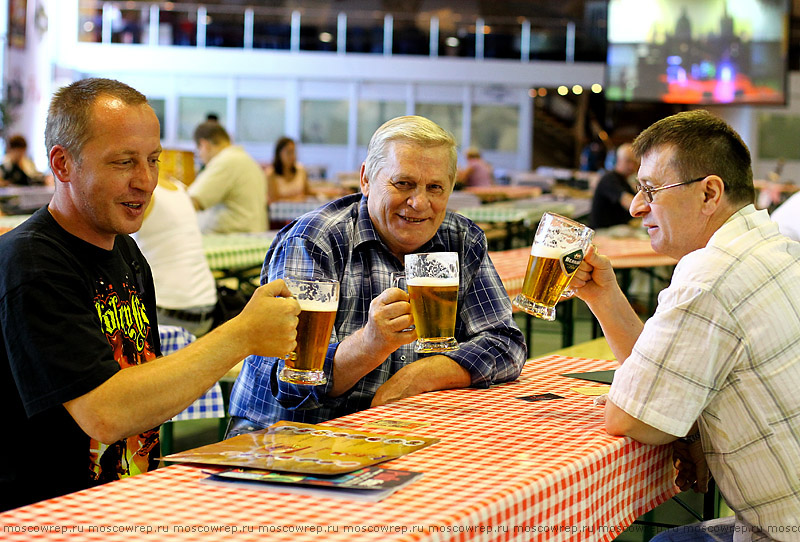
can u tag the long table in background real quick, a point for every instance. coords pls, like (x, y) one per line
(237, 255)
(499, 192)
(506, 468)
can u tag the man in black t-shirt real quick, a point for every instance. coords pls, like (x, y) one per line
(81, 389)
(614, 194)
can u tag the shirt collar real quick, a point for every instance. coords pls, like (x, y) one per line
(365, 232)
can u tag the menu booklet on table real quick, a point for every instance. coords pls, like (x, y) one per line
(367, 484)
(299, 448)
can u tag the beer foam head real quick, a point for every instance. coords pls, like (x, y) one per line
(312, 305)
(432, 281)
(547, 252)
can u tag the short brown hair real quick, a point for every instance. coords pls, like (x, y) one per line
(70, 112)
(703, 145)
(16, 142)
(212, 131)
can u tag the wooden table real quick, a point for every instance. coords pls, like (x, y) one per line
(505, 469)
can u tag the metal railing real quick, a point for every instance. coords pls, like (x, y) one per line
(254, 27)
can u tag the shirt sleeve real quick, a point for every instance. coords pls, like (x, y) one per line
(53, 340)
(681, 360)
(211, 184)
(298, 257)
(491, 346)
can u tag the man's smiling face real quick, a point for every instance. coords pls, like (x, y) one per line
(407, 199)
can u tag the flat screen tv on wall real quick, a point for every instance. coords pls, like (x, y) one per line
(697, 51)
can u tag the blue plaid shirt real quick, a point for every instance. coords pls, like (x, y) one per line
(338, 241)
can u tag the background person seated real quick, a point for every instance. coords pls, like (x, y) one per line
(287, 180)
(17, 168)
(478, 171)
(170, 239)
(231, 190)
(613, 196)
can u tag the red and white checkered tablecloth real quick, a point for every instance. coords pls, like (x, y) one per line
(624, 253)
(505, 469)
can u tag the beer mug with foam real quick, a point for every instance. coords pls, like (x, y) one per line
(318, 302)
(432, 281)
(558, 249)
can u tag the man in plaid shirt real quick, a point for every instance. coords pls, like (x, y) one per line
(360, 240)
(720, 359)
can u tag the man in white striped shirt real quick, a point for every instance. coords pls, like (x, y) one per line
(720, 359)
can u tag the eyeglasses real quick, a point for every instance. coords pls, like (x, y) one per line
(648, 192)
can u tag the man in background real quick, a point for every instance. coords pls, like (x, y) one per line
(614, 193)
(231, 190)
(17, 168)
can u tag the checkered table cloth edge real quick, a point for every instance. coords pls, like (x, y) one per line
(236, 250)
(512, 466)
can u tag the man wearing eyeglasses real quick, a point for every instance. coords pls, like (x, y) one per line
(720, 359)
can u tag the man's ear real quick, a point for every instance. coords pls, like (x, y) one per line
(61, 164)
(364, 181)
(713, 191)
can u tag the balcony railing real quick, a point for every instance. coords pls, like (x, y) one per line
(447, 34)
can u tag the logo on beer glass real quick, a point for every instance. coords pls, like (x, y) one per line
(557, 251)
(432, 281)
(318, 301)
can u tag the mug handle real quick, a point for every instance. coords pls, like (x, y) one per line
(399, 281)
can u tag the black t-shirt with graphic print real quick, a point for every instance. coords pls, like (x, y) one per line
(71, 315)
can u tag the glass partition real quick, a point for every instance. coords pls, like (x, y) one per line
(495, 127)
(448, 116)
(260, 120)
(371, 114)
(324, 121)
(192, 110)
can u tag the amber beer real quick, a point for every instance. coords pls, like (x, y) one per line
(318, 300)
(432, 280)
(313, 335)
(545, 279)
(433, 307)
(558, 249)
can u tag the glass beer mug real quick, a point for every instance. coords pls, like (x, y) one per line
(558, 249)
(432, 281)
(318, 302)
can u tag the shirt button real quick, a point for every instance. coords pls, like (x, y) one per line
(403, 358)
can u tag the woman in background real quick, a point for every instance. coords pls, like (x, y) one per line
(286, 179)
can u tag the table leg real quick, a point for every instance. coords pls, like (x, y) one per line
(566, 310)
(166, 438)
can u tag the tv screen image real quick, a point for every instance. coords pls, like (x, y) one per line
(697, 51)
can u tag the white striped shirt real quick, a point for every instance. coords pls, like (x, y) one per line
(724, 349)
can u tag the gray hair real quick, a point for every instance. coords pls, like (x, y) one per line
(70, 112)
(411, 129)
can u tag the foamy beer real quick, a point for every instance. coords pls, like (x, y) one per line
(558, 249)
(318, 301)
(432, 281)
